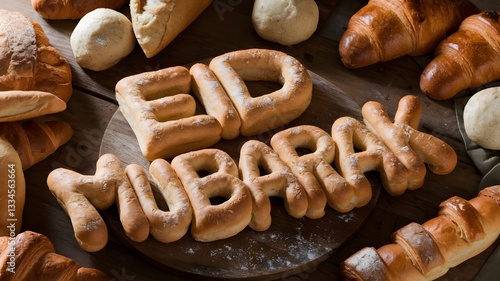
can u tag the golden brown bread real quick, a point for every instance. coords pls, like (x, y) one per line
(157, 22)
(81, 196)
(35, 141)
(387, 29)
(22, 146)
(162, 113)
(278, 181)
(413, 148)
(214, 222)
(71, 9)
(36, 259)
(165, 226)
(23, 105)
(467, 59)
(27, 60)
(462, 230)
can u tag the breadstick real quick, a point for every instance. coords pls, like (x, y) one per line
(279, 181)
(214, 222)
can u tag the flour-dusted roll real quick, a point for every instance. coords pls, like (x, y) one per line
(157, 22)
(101, 39)
(287, 22)
(482, 118)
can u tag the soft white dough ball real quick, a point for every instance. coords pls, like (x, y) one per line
(101, 39)
(287, 22)
(482, 118)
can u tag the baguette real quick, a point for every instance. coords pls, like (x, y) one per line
(157, 23)
(71, 9)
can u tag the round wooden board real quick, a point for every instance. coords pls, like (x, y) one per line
(288, 247)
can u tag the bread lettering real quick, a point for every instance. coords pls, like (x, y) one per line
(214, 222)
(162, 113)
(278, 181)
(304, 165)
(81, 196)
(166, 226)
(272, 110)
(413, 148)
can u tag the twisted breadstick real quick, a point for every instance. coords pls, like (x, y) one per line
(314, 171)
(462, 230)
(279, 181)
(214, 222)
(348, 134)
(411, 147)
(81, 196)
(158, 107)
(36, 259)
(164, 226)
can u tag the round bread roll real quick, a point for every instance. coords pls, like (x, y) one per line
(482, 118)
(101, 39)
(287, 22)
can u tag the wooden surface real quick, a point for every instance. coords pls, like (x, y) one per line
(225, 26)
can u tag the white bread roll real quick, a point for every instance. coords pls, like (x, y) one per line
(287, 22)
(482, 118)
(101, 39)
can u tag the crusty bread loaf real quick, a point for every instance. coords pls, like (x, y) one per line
(71, 9)
(28, 61)
(157, 23)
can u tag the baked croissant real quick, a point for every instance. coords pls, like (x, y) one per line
(387, 29)
(22, 146)
(466, 59)
(36, 260)
(71, 9)
(462, 230)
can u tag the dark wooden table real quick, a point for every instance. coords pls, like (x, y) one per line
(226, 26)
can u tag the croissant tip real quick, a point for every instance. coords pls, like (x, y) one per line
(442, 79)
(356, 50)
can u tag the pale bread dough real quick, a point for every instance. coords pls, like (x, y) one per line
(482, 118)
(101, 39)
(287, 22)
